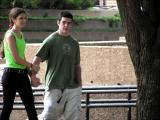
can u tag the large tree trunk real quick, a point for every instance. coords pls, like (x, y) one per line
(141, 21)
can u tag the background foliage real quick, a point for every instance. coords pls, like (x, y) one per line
(48, 4)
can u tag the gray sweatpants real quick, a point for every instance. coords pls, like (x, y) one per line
(58, 103)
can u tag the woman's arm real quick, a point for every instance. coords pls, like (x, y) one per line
(34, 80)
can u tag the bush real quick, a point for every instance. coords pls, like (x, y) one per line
(19, 3)
(30, 3)
(78, 4)
(66, 4)
(48, 4)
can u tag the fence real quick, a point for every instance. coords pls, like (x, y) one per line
(89, 103)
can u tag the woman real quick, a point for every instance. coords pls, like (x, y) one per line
(15, 77)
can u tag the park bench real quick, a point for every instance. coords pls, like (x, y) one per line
(87, 101)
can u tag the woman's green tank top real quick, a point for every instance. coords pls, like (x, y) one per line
(20, 46)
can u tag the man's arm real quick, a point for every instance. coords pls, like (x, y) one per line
(78, 74)
(34, 80)
(36, 62)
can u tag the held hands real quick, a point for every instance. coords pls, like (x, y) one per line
(35, 82)
(35, 68)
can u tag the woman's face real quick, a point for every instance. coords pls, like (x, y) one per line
(20, 20)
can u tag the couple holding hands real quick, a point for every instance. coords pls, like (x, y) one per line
(63, 83)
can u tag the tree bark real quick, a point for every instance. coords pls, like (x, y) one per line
(140, 19)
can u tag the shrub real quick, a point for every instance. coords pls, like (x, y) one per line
(66, 4)
(19, 3)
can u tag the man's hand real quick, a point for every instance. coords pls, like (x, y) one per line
(35, 82)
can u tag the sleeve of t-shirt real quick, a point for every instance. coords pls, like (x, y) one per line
(43, 51)
(77, 56)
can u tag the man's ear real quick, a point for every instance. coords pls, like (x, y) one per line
(58, 22)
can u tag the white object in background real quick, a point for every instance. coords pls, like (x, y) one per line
(1, 70)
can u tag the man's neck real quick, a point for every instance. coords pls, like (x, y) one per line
(62, 34)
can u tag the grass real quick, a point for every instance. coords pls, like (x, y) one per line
(115, 18)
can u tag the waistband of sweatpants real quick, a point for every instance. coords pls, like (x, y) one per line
(15, 70)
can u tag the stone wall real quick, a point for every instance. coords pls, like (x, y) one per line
(80, 36)
(93, 30)
(54, 12)
(90, 30)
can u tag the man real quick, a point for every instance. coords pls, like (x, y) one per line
(63, 72)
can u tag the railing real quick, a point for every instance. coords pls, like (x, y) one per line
(89, 103)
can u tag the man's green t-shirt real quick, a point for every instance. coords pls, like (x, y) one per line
(61, 54)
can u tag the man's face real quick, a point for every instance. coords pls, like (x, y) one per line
(65, 25)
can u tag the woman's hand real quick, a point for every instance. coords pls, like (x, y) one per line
(35, 81)
(35, 68)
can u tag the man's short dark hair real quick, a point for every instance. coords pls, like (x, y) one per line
(65, 14)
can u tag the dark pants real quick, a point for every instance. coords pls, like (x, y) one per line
(16, 80)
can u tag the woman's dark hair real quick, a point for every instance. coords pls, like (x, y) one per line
(65, 14)
(14, 12)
